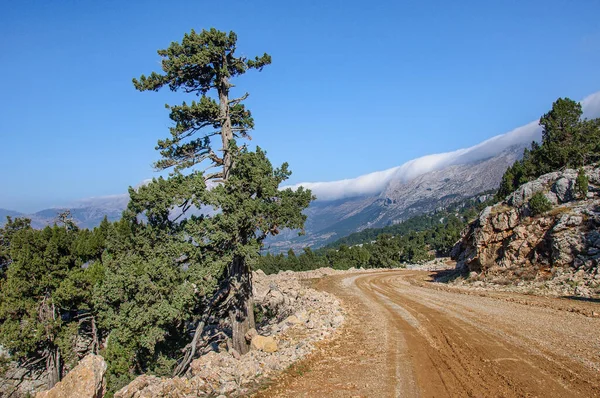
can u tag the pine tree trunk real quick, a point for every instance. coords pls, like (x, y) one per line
(241, 314)
(226, 128)
(53, 367)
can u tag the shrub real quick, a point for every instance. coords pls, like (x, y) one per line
(539, 204)
(581, 184)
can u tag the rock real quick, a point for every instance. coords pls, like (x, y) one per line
(250, 334)
(507, 246)
(146, 386)
(563, 188)
(85, 380)
(233, 352)
(552, 197)
(293, 320)
(274, 299)
(264, 343)
(337, 320)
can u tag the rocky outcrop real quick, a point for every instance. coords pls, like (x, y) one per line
(292, 318)
(86, 380)
(507, 241)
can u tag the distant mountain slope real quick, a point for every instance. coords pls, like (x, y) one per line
(374, 183)
(87, 213)
(331, 220)
(8, 213)
(417, 186)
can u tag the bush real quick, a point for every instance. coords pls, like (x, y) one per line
(581, 184)
(539, 204)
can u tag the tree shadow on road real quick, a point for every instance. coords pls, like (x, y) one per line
(447, 275)
(586, 299)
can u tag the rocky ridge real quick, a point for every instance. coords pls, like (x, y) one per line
(555, 253)
(295, 317)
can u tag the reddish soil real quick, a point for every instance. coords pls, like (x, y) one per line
(406, 337)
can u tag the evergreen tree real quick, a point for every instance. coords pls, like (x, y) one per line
(567, 142)
(201, 64)
(45, 297)
(6, 233)
(581, 184)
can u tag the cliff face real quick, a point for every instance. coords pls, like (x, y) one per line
(507, 240)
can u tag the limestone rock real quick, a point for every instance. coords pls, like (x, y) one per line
(293, 320)
(264, 343)
(505, 241)
(86, 380)
(563, 189)
(146, 386)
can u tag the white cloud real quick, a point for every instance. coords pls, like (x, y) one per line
(374, 183)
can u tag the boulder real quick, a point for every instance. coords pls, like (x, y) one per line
(274, 298)
(552, 198)
(264, 343)
(86, 380)
(563, 188)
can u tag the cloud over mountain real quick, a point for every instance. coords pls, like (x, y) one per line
(374, 183)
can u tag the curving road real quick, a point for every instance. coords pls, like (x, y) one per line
(406, 337)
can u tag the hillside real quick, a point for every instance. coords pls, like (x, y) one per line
(399, 201)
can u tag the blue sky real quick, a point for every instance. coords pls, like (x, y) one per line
(354, 86)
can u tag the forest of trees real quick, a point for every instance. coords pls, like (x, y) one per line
(418, 239)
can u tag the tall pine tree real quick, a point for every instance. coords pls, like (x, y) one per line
(204, 64)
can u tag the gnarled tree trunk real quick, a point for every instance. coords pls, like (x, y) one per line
(241, 313)
(53, 367)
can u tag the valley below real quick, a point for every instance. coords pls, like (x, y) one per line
(406, 335)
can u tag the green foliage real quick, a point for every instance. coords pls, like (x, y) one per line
(200, 63)
(167, 262)
(581, 184)
(6, 233)
(47, 289)
(144, 302)
(159, 269)
(539, 204)
(567, 142)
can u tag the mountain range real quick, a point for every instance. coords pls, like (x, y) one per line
(372, 200)
(87, 213)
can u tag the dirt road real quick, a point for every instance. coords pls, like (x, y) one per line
(406, 338)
